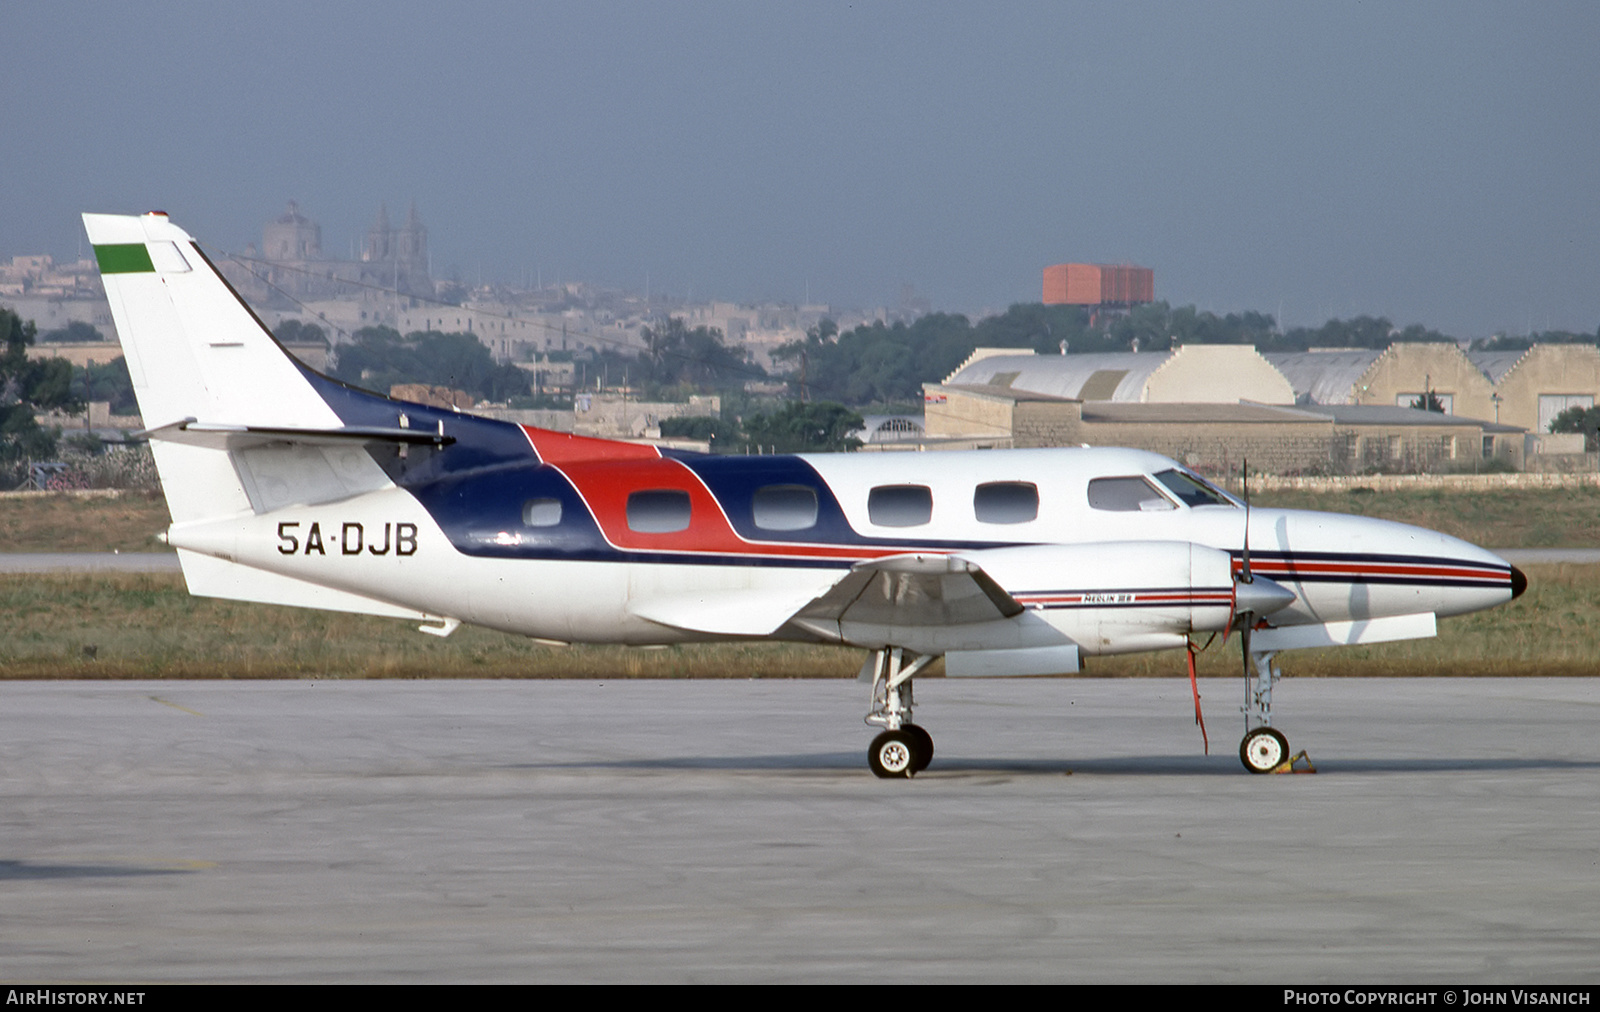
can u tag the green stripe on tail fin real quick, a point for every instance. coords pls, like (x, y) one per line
(124, 258)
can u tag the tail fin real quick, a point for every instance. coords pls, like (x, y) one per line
(195, 352)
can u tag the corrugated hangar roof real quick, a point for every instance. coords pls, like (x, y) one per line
(1323, 377)
(1115, 376)
(1198, 373)
(1495, 364)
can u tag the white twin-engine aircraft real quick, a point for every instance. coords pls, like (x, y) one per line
(291, 488)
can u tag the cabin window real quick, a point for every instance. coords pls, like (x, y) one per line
(784, 507)
(658, 511)
(541, 512)
(1006, 502)
(1191, 490)
(1126, 495)
(900, 505)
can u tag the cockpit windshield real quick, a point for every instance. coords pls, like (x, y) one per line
(1193, 490)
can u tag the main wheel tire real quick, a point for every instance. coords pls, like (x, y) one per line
(893, 755)
(922, 746)
(1263, 750)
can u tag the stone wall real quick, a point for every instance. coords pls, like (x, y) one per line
(1220, 448)
(951, 412)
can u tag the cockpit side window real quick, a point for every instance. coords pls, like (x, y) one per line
(1126, 495)
(1192, 490)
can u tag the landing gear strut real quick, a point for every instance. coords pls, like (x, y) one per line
(1264, 747)
(903, 749)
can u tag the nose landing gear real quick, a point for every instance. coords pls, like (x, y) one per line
(1264, 747)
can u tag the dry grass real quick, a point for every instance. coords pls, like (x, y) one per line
(1505, 518)
(147, 626)
(62, 522)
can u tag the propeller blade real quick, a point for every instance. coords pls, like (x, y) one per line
(1244, 574)
(1235, 616)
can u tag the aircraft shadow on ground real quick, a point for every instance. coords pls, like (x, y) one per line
(1217, 764)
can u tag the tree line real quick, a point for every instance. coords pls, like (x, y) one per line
(829, 374)
(882, 364)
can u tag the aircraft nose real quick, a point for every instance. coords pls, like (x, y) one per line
(1519, 583)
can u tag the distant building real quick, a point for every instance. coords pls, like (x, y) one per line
(1323, 412)
(612, 416)
(401, 253)
(291, 237)
(886, 431)
(1527, 388)
(1098, 285)
(290, 270)
(1217, 438)
(1190, 373)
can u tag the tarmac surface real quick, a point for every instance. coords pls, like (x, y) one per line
(1068, 830)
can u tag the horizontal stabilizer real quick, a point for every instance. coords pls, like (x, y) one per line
(213, 577)
(215, 436)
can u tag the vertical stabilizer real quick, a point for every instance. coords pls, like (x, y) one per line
(194, 351)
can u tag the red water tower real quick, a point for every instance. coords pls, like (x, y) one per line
(1106, 286)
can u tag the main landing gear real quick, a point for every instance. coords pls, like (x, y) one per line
(1264, 747)
(903, 749)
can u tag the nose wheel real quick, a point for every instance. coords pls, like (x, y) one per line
(1263, 750)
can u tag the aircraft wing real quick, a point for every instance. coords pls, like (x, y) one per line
(914, 590)
(900, 590)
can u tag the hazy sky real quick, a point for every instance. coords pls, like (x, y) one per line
(1431, 162)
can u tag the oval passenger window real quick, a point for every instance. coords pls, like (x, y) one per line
(541, 512)
(1006, 502)
(659, 511)
(784, 507)
(900, 505)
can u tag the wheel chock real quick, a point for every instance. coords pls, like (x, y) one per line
(1297, 760)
